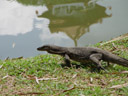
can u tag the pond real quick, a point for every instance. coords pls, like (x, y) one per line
(28, 24)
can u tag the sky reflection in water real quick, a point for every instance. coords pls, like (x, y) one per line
(25, 27)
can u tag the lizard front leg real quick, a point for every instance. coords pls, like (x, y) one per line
(67, 60)
(96, 59)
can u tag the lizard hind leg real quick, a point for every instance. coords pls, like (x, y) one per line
(96, 58)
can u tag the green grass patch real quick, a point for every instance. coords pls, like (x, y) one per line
(20, 76)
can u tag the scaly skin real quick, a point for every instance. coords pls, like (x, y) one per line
(84, 54)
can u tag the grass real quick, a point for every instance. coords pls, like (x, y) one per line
(20, 76)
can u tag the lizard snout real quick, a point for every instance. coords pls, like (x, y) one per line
(39, 49)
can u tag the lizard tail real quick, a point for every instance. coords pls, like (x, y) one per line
(122, 61)
(118, 60)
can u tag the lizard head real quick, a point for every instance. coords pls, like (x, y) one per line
(51, 49)
(44, 48)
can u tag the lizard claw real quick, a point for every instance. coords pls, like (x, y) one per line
(101, 68)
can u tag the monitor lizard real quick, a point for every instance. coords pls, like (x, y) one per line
(84, 54)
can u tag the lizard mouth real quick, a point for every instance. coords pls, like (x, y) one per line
(41, 49)
(38, 49)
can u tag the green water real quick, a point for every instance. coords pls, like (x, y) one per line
(28, 24)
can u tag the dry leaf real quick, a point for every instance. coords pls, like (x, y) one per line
(21, 57)
(31, 93)
(119, 86)
(47, 78)
(124, 72)
(82, 94)
(1, 66)
(103, 82)
(74, 75)
(92, 85)
(63, 91)
(5, 76)
(91, 79)
(37, 79)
